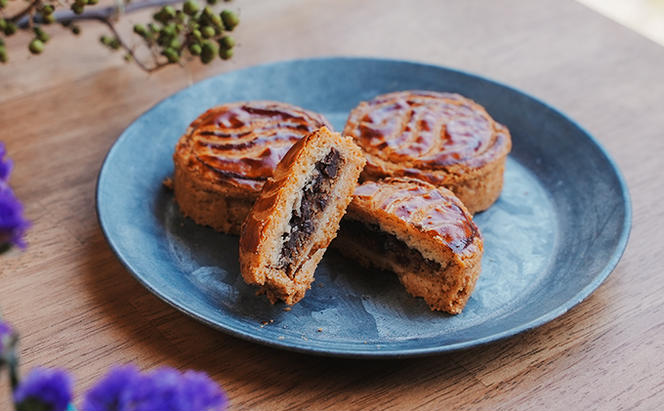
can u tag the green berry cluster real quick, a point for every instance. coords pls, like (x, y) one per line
(111, 42)
(42, 14)
(200, 31)
(190, 30)
(3, 52)
(36, 45)
(78, 6)
(8, 27)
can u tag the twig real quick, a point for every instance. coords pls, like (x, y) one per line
(157, 65)
(97, 13)
(108, 15)
(104, 15)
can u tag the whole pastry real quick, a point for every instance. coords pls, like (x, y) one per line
(229, 152)
(443, 138)
(421, 232)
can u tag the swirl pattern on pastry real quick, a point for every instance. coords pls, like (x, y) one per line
(436, 212)
(242, 143)
(426, 130)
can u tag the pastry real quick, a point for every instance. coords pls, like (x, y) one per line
(421, 232)
(297, 214)
(445, 139)
(227, 154)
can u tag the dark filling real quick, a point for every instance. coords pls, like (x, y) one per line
(314, 201)
(379, 242)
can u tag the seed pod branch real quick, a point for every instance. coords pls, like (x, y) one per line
(177, 32)
(130, 50)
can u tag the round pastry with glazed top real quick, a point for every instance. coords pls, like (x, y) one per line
(229, 152)
(443, 138)
(421, 232)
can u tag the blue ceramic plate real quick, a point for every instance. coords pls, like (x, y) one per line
(557, 231)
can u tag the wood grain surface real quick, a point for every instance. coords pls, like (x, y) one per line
(78, 308)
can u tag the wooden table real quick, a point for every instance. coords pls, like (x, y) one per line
(77, 307)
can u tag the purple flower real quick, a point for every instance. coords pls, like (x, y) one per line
(44, 389)
(5, 333)
(5, 165)
(12, 224)
(202, 393)
(110, 393)
(165, 389)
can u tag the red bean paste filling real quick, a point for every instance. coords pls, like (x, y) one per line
(381, 243)
(314, 201)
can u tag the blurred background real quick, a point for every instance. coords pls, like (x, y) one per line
(643, 16)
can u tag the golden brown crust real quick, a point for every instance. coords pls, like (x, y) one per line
(431, 214)
(229, 152)
(430, 220)
(269, 223)
(443, 138)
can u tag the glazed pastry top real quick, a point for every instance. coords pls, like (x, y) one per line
(240, 144)
(425, 130)
(432, 211)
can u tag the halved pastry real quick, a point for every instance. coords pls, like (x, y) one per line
(297, 214)
(227, 154)
(421, 232)
(443, 138)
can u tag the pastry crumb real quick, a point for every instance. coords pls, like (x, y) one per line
(168, 183)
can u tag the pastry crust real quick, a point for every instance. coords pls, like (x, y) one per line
(297, 214)
(421, 232)
(227, 154)
(443, 138)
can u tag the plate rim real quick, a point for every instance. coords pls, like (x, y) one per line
(301, 347)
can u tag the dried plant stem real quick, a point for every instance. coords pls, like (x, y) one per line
(105, 15)
(149, 69)
(97, 13)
